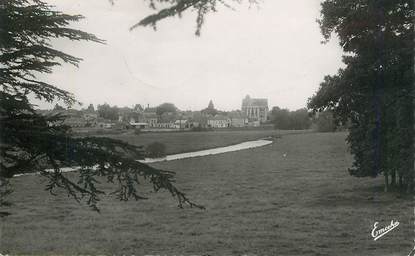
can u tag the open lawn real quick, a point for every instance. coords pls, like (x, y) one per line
(293, 197)
(180, 142)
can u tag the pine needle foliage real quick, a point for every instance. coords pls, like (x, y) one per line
(34, 143)
(172, 8)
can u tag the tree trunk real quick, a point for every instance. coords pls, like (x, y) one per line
(410, 182)
(386, 182)
(400, 181)
(393, 179)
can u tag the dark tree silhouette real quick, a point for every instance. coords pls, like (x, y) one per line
(31, 142)
(166, 108)
(178, 7)
(91, 108)
(290, 120)
(108, 112)
(375, 91)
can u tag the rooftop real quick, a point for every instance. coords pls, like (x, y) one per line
(258, 102)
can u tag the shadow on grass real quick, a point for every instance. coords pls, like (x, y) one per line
(361, 196)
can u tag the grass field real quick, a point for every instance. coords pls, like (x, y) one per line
(179, 142)
(293, 197)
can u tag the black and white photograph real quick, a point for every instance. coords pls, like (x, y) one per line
(207, 127)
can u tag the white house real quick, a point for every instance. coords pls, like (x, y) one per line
(218, 122)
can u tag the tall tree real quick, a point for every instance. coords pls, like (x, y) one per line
(30, 142)
(281, 118)
(91, 108)
(300, 119)
(375, 91)
(108, 112)
(290, 120)
(166, 108)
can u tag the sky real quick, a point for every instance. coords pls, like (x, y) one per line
(271, 51)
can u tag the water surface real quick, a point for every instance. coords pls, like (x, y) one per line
(212, 151)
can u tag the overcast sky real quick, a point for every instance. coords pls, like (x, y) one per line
(273, 52)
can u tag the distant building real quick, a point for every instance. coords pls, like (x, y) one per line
(149, 116)
(168, 125)
(210, 110)
(104, 123)
(181, 124)
(166, 120)
(199, 120)
(90, 118)
(72, 118)
(75, 122)
(238, 119)
(219, 121)
(139, 125)
(127, 114)
(151, 119)
(254, 123)
(255, 109)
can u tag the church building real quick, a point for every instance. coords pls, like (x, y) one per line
(255, 109)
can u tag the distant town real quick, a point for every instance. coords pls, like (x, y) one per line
(254, 112)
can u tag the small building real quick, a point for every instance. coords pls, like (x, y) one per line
(90, 116)
(199, 120)
(181, 124)
(75, 122)
(218, 121)
(254, 123)
(168, 125)
(90, 119)
(139, 125)
(150, 118)
(238, 119)
(72, 118)
(104, 123)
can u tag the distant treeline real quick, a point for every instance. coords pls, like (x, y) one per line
(302, 119)
(284, 119)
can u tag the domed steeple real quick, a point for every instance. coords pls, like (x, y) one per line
(211, 106)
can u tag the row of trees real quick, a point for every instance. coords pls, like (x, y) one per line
(108, 112)
(290, 120)
(112, 112)
(302, 119)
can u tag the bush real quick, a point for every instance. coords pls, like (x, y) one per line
(155, 150)
(284, 119)
(137, 131)
(325, 122)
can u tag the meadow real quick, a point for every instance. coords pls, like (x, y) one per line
(293, 197)
(180, 142)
